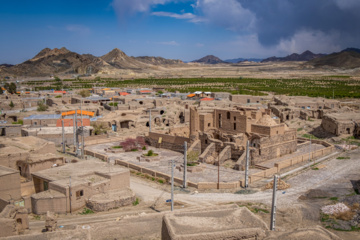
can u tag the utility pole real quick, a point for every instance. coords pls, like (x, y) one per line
(273, 206)
(63, 135)
(185, 165)
(150, 121)
(70, 194)
(74, 120)
(310, 150)
(333, 94)
(82, 132)
(247, 166)
(77, 135)
(218, 185)
(172, 184)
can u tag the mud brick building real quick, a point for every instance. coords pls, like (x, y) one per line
(342, 123)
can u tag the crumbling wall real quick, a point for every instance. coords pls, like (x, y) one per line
(174, 143)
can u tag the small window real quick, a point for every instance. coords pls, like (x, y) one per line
(277, 132)
(209, 124)
(248, 101)
(234, 118)
(206, 141)
(79, 193)
(234, 126)
(228, 115)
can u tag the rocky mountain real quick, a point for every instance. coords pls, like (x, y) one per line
(305, 56)
(158, 60)
(63, 61)
(119, 59)
(6, 65)
(209, 59)
(58, 61)
(348, 58)
(238, 60)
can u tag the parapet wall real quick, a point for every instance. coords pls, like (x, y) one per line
(174, 143)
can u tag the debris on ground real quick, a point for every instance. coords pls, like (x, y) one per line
(281, 185)
(334, 209)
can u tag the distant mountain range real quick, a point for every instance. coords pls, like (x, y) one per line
(305, 56)
(62, 61)
(347, 58)
(238, 60)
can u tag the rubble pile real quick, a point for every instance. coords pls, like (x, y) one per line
(334, 209)
(281, 185)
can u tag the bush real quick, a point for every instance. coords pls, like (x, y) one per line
(58, 96)
(86, 211)
(144, 148)
(19, 122)
(192, 158)
(41, 106)
(99, 128)
(113, 104)
(136, 202)
(133, 144)
(84, 93)
(11, 104)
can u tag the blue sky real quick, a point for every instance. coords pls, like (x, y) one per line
(178, 29)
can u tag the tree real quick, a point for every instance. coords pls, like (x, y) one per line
(41, 106)
(11, 104)
(11, 88)
(84, 93)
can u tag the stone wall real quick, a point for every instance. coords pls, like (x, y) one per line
(174, 143)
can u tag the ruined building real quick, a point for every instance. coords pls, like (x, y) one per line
(222, 135)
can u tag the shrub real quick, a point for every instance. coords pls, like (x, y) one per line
(86, 211)
(192, 158)
(144, 148)
(11, 104)
(133, 144)
(136, 202)
(113, 104)
(41, 106)
(19, 122)
(84, 93)
(58, 96)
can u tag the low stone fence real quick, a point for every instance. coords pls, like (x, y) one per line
(293, 161)
(207, 152)
(95, 154)
(199, 185)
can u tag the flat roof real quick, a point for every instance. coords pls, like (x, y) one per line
(77, 171)
(43, 116)
(346, 116)
(5, 171)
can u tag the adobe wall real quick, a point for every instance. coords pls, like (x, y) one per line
(206, 122)
(174, 143)
(10, 184)
(53, 204)
(329, 125)
(13, 130)
(243, 99)
(27, 168)
(233, 122)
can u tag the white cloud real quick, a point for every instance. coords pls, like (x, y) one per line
(128, 7)
(347, 4)
(226, 13)
(170, 43)
(77, 28)
(174, 15)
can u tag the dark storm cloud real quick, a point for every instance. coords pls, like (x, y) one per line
(278, 20)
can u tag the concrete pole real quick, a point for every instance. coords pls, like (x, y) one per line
(74, 120)
(150, 121)
(310, 150)
(172, 184)
(247, 166)
(218, 185)
(76, 131)
(273, 207)
(82, 132)
(185, 165)
(63, 135)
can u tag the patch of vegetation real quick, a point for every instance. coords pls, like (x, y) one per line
(160, 181)
(99, 128)
(84, 93)
(20, 121)
(334, 198)
(151, 153)
(134, 150)
(113, 104)
(117, 147)
(191, 164)
(37, 217)
(341, 158)
(315, 168)
(144, 148)
(299, 129)
(11, 104)
(42, 106)
(133, 144)
(86, 211)
(309, 135)
(58, 96)
(136, 202)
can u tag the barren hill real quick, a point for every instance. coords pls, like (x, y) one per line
(305, 56)
(344, 59)
(57, 61)
(119, 59)
(209, 59)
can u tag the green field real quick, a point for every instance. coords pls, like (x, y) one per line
(341, 87)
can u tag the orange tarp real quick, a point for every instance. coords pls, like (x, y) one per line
(206, 99)
(91, 114)
(106, 89)
(63, 92)
(123, 93)
(191, 95)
